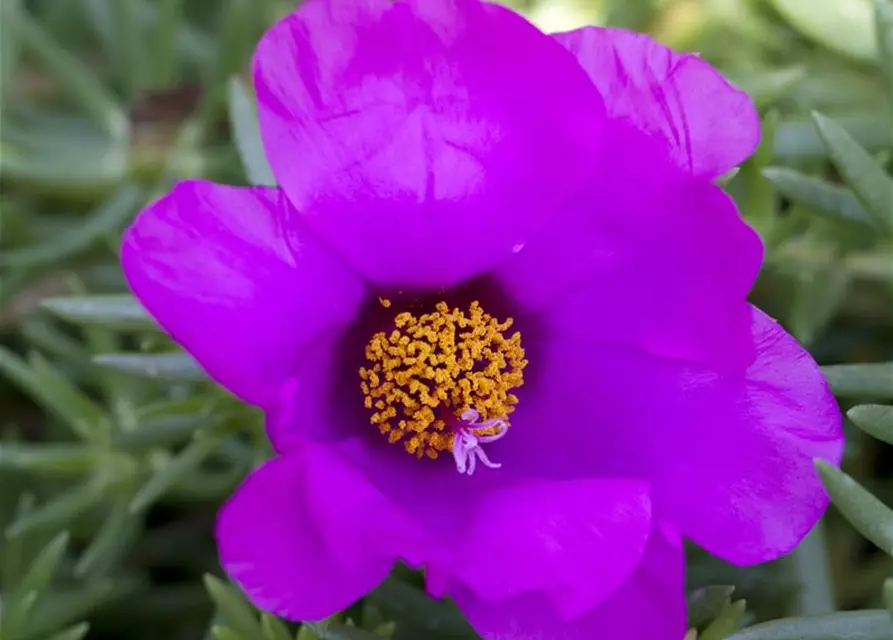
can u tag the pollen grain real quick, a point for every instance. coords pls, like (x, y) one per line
(432, 368)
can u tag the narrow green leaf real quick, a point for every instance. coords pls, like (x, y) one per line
(77, 632)
(637, 16)
(86, 417)
(767, 88)
(728, 622)
(726, 178)
(274, 629)
(168, 26)
(61, 608)
(797, 138)
(756, 196)
(14, 551)
(233, 607)
(16, 615)
(839, 203)
(53, 392)
(121, 312)
(110, 543)
(243, 121)
(160, 432)
(81, 83)
(888, 594)
(107, 220)
(9, 54)
(883, 20)
(170, 367)
(818, 294)
(857, 625)
(306, 632)
(871, 517)
(45, 335)
(129, 54)
(42, 570)
(863, 174)
(874, 419)
(61, 510)
(345, 632)
(841, 25)
(873, 380)
(225, 633)
(706, 604)
(405, 602)
(18, 608)
(175, 470)
(61, 459)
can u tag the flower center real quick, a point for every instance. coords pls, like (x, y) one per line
(443, 381)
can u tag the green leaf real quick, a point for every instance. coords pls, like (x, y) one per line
(17, 610)
(798, 139)
(81, 410)
(80, 82)
(706, 604)
(637, 16)
(883, 19)
(77, 632)
(765, 89)
(842, 25)
(888, 594)
(172, 472)
(15, 616)
(874, 419)
(818, 294)
(162, 432)
(839, 203)
(53, 392)
(756, 196)
(110, 543)
(50, 458)
(42, 570)
(233, 607)
(345, 632)
(274, 629)
(61, 510)
(168, 26)
(871, 517)
(862, 173)
(225, 633)
(105, 221)
(407, 603)
(61, 608)
(858, 625)
(243, 120)
(728, 621)
(129, 51)
(861, 380)
(169, 367)
(120, 312)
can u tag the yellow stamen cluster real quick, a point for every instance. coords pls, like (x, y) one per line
(438, 365)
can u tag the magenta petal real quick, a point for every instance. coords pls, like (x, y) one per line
(555, 537)
(423, 139)
(211, 264)
(729, 455)
(649, 606)
(306, 535)
(709, 125)
(649, 258)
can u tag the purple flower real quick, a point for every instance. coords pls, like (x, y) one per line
(495, 314)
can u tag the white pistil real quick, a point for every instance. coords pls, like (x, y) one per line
(467, 447)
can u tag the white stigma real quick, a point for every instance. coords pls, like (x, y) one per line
(467, 447)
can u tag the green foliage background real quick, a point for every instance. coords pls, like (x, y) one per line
(115, 451)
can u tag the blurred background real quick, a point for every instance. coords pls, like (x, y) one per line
(115, 452)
